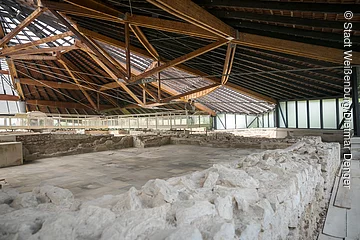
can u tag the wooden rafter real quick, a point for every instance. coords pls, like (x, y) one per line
(115, 63)
(34, 43)
(34, 57)
(191, 12)
(229, 59)
(6, 97)
(59, 104)
(127, 51)
(251, 40)
(113, 76)
(21, 26)
(192, 92)
(45, 83)
(92, 103)
(90, 45)
(144, 41)
(180, 67)
(170, 26)
(180, 60)
(41, 50)
(87, 80)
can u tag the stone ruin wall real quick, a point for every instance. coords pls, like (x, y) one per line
(37, 146)
(276, 194)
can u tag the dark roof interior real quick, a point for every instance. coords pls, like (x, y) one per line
(273, 74)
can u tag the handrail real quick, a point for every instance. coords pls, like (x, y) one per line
(168, 120)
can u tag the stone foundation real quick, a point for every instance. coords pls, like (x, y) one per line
(276, 194)
(36, 146)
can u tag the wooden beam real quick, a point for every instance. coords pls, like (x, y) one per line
(46, 83)
(14, 75)
(87, 80)
(180, 60)
(4, 71)
(200, 106)
(96, 6)
(79, 11)
(144, 41)
(93, 48)
(21, 26)
(229, 59)
(180, 67)
(63, 104)
(112, 42)
(34, 57)
(294, 48)
(170, 26)
(193, 13)
(92, 103)
(113, 76)
(35, 43)
(321, 7)
(5, 97)
(127, 50)
(168, 99)
(108, 56)
(245, 39)
(41, 50)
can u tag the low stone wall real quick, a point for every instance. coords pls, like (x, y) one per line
(276, 194)
(37, 146)
(229, 140)
(145, 141)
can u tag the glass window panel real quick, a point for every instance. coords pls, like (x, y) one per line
(282, 113)
(291, 114)
(220, 121)
(250, 119)
(230, 121)
(314, 111)
(240, 121)
(329, 113)
(266, 120)
(302, 114)
(271, 122)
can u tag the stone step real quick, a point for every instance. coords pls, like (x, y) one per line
(326, 237)
(343, 198)
(355, 140)
(335, 222)
(353, 214)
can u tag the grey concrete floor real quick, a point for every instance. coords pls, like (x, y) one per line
(113, 172)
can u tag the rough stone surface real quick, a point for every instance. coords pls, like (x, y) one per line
(36, 146)
(276, 194)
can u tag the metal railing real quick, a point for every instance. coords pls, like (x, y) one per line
(161, 121)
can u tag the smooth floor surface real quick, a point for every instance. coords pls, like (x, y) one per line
(92, 175)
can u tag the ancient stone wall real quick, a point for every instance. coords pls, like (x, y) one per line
(37, 146)
(229, 140)
(276, 194)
